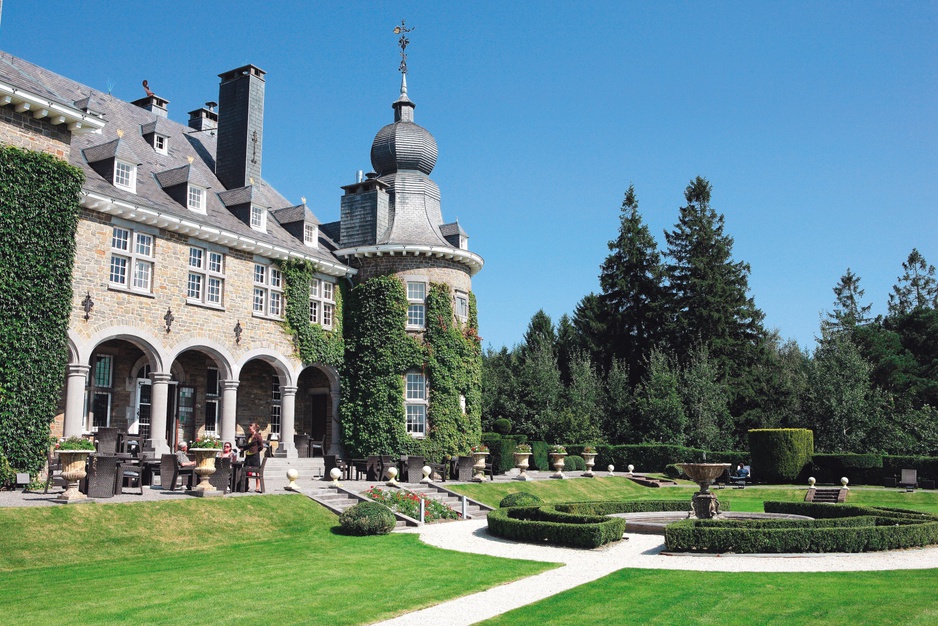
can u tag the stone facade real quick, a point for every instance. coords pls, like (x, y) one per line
(24, 131)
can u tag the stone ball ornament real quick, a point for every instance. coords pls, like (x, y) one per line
(811, 482)
(843, 482)
(611, 469)
(335, 473)
(292, 475)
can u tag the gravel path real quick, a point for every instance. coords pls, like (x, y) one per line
(639, 551)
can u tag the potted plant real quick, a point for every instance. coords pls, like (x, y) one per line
(479, 452)
(73, 453)
(522, 453)
(557, 454)
(205, 448)
(589, 457)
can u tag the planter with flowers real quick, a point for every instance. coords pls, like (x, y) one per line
(205, 449)
(589, 457)
(479, 454)
(73, 454)
(522, 454)
(557, 454)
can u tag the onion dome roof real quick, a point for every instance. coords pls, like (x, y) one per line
(403, 145)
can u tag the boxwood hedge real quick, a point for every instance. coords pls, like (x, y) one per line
(781, 455)
(836, 528)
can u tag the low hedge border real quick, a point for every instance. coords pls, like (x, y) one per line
(837, 528)
(544, 524)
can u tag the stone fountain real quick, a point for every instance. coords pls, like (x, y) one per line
(705, 503)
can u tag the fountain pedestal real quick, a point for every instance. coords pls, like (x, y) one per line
(704, 503)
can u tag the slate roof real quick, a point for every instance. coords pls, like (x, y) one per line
(184, 142)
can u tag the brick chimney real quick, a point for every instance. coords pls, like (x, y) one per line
(240, 126)
(154, 104)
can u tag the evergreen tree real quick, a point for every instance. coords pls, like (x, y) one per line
(616, 422)
(578, 421)
(848, 310)
(567, 346)
(709, 424)
(540, 392)
(916, 288)
(660, 414)
(632, 293)
(708, 291)
(500, 397)
(591, 322)
(540, 333)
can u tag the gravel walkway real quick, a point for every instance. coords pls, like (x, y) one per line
(639, 551)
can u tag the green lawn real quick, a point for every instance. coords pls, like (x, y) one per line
(632, 596)
(272, 559)
(748, 499)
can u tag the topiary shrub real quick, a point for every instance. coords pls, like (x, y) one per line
(574, 463)
(545, 524)
(671, 470)
(781, 455)
(521, 498)
(367, 518)
(539, 456)
(502, 426)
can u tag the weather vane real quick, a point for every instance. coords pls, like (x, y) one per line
(402, 42)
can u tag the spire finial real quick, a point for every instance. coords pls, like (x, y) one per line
(402, 30)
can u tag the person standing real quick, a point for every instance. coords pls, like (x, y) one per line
(253, 448)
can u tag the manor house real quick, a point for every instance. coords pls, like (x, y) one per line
(177, 325)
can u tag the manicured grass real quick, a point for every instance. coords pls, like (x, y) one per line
(748, 499)
(632, 596)
(272, 559)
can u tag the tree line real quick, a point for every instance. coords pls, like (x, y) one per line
(673, 350)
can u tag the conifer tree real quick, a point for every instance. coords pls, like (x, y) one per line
(848, 310)
(916, 288)
(708, 291)
(632, 294)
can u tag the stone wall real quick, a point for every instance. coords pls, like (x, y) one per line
(22, 131)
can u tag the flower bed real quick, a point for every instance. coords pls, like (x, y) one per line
(407, 503)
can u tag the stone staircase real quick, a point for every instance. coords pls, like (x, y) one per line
(309, 469)
(831, 495)
(434, 491)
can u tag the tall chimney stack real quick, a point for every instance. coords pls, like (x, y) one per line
(240, 126)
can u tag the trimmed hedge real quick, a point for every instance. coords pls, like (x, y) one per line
(608, 507)
(521, 498)
(781, 455)
(836, 528)
(546, 524)
(367, 518)
(927, 466)
(539, 457)
(859, 468)
(574, 463)
(501, 450)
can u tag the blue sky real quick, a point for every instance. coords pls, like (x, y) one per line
(816, 123)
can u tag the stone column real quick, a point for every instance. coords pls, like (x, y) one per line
(229, 409)
(158, 405)
(288, 421)
(77, 376)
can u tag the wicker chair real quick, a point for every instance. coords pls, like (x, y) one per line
(464, 469)
(316, 444)
(102, 476)
(221, 479)
(331, 461)
(255, 472)
(415, 468)
(170, 472)
(302, 445)
(106, 440)
(55, 471)
(129, 475)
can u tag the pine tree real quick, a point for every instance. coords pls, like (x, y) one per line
(708, 291)
(709, 424)
(632, 293)
(591, 322)
(567, 346)
(540, 333)
(660, 416)
(916, 288)
(848, 312)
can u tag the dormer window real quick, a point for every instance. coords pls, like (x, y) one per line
(258, 218)
(125, 176)
(196, 200)
(311, 235)
(161, 143)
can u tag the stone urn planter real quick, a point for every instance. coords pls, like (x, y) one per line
(521, 462)
(556, 459)
(204, 467)
(478, 466)
(589, 458)
(705, 504)
(73, 470)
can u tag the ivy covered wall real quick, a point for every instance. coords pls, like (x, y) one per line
(379, 351)
(39, 207)
(313, 343)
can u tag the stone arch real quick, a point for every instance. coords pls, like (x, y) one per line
(146, 342)
(281, 364)
(333, 429)
(222, 357)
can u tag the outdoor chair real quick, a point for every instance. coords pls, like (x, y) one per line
(248, 473)
(106, 440)
(221, 479)
(740, 483)
(170, 472)
(909, 479)
(316, 444)
(129, 475)
(376, 467)
(439, 469)
(102, 476)
(55, 471)
(415, 468)
(464, 469)
(302, 445)
(330, 462)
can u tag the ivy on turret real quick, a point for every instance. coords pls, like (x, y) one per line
(313, 343)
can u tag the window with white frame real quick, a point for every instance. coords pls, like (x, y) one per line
(131, 260)
(125, 175)
(322, 303)
(415, 403)
(206, 284)
(268, 291)
(258, 218)
(161, 143)
(462, 307)
(102, 382)
(211, 401)
(275, 405)
(196, 199)
(311, 235)
(416, 304)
